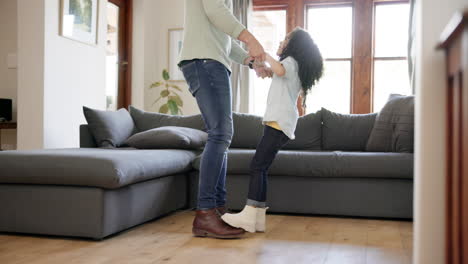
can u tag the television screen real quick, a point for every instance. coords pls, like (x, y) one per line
(6, 109)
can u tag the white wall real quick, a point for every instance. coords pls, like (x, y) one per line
(74, 75)
(430, 132)
(56, 77)
(151, 24)
(8, 45)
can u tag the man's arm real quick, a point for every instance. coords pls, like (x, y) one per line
(238, 54)
(222, 18)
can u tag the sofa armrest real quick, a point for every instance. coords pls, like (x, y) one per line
(86, 139)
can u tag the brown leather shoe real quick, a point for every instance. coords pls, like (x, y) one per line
(222, 210)
(207, 223)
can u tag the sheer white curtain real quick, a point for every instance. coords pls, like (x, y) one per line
(240, 74)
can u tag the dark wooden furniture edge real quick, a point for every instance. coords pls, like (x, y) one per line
(8, 125)
(451, 41)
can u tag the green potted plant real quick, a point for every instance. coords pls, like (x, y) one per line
(173, 103)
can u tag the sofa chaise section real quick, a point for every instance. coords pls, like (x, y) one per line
(93, 167)
(89, 192)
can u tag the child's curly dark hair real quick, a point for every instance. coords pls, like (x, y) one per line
(304, 50)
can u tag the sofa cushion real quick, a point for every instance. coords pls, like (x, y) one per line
(248, 130)
(109, 128)
(374, 165)
(393, 129)
(168, 137)
(308, 133)
(336, 164)
(346, 132)
(149, 120)
(94, 167)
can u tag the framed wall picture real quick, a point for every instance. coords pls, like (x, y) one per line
(79, 20)
(175, 39)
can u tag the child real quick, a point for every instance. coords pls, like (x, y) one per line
(299, 68)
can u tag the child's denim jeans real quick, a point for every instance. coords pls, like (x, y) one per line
(272, 141)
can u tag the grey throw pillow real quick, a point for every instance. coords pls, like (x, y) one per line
(109, 128)
(308, 133)
(149, 120)
(346, 132)
(248, 130)
(169, 137)
(394, 127)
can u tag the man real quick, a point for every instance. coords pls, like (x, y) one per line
(208, 49)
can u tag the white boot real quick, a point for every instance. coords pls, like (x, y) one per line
(246, 219)
(260, 224)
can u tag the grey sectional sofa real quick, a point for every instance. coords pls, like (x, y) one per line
(95, 192)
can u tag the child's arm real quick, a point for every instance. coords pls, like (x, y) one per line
(262, 70)
(276, 66)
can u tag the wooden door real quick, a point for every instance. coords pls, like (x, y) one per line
(119, 61)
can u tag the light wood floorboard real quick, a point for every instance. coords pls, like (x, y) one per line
(289, 239)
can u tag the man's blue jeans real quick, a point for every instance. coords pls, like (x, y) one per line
(209, 83)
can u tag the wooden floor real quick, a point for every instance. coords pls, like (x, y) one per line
(289, 239)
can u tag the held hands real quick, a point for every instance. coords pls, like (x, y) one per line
(261, 69)
(253, 45)
(256, 50)
(257, 53)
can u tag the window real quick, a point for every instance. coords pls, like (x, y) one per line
(270, 28)
(363, 43)
(390, 59)
(335, 43)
